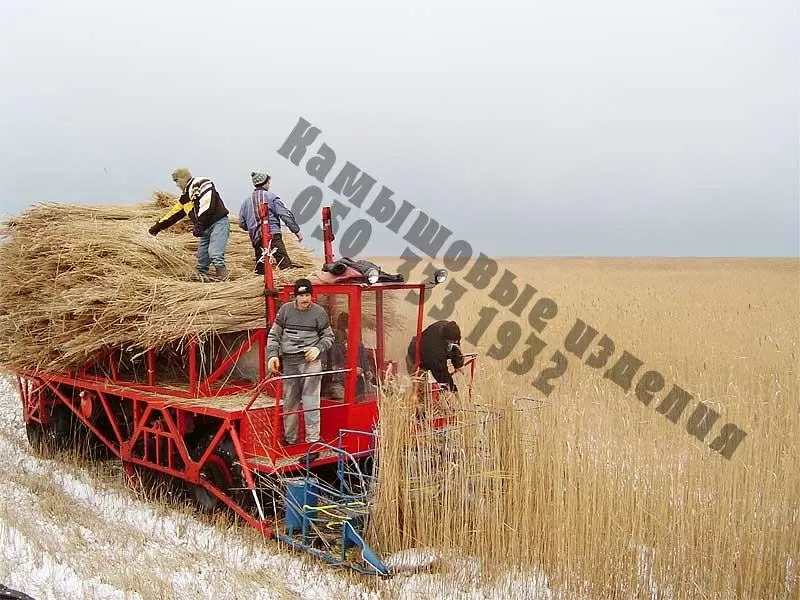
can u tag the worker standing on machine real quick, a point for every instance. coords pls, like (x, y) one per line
(439, 343)
(201, 201)
(301, 332)
(250, 221)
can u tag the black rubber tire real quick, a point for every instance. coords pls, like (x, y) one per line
(217, 472)
(64, 432)
(35, 433)
(54, 436)
(222, 472)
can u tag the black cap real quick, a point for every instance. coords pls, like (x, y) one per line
(302, 286)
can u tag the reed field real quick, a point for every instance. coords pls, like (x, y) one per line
(591, 488)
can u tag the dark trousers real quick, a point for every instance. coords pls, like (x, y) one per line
(281, 257)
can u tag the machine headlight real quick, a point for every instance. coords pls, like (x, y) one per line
(373, 276)
(440, 276)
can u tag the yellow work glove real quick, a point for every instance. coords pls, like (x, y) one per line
(312, 354)
(274, 364)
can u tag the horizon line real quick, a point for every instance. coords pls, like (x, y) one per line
(617, 256)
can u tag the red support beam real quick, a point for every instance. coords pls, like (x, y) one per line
(111, 416)
(379, 332)
(353, 348)
(140, 423)
(113, 361)
(151, 367)
(262, 355)
(248, 476)
(177, 436)
(327, 234)
(269, 284)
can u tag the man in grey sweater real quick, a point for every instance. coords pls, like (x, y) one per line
(300, 333)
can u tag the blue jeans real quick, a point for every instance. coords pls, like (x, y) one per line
(212, 244)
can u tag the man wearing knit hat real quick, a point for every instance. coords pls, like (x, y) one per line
(440, 342)
(301, 332)
(205, 208)
(250, 221)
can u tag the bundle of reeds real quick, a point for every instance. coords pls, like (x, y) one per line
(77, 278)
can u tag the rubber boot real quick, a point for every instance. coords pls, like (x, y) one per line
(222, 273)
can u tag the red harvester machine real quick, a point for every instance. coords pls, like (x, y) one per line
(188, 412)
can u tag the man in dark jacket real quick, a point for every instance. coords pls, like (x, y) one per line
(439, 343)
(203, 204)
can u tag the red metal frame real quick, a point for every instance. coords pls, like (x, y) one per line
(156, 424)
(32, 394)
(327, 234)
(266, 243)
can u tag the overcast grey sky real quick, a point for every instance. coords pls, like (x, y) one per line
(622, 127)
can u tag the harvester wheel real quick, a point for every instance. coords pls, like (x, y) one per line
(54, 436)
(220, 471)
(35, 433)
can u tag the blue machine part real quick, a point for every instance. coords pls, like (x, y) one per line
(351, 536)
(315, 508)
(300, 493)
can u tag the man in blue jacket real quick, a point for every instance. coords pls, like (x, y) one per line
(250, 220)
